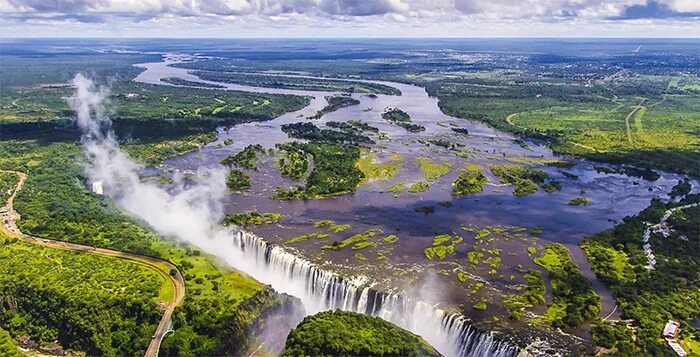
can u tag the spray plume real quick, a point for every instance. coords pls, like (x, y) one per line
(190, 213)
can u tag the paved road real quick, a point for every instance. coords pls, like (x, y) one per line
(10, 216)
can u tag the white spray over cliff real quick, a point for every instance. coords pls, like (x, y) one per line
(190, 213)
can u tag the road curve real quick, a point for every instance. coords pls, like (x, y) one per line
(163, 267)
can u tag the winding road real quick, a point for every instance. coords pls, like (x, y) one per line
(163, 267)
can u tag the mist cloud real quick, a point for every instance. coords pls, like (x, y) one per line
(546, 9)
(187, 212)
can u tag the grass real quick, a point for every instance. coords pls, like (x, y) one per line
(373, 170)
(397, 188)
(480, 306)
(690, 345)
(433, 170)
(525, 180)
(443, 244)
(420, 186)
(471, 180)
(307, 236)
(588, 121)
(390, 239)
(358, 241)
(252, 217)
(575, 300)
(610, 263)
(578, 201)
(155, 153)
(151, 102)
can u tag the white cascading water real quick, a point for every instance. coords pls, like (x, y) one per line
(319, 290)
(188, 214)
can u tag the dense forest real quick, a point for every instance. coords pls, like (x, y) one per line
(341, 333)
(650, 297)
(575, 300)
(55, 204)
(7, 345)
(107, 305)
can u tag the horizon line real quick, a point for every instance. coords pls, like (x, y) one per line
(353, 38)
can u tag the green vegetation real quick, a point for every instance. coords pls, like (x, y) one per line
(334, 173)
(420, 186)
(636, 119)
(524, 179)
(331, 226)
(341, 333)
(145, 102)
(649, 297)
(575, 301)
(8, 181)
(8, 347)
(155, 153)
(533, 295)
(294, 163)
(682, 188)
(577, 201)
(398, 117)
(443, 244)
(34, 281)
(390, 239)
(615, 335)
(55, 204)
(352, 126)
(237, 180)
(263, 80)
(480, 306)
(307, 236)
(183, 82)
(471, 180)
(335, 103)
(245, 158)
(377, 171)
(433, 170)
(358, 241)
(254, 218)
(309, 131)
(396, 188)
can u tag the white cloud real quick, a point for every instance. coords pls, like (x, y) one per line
(346, 17)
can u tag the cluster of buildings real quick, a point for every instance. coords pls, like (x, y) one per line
(669, 334)
(661, 228)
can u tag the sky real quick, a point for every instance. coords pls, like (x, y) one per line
(349, 18)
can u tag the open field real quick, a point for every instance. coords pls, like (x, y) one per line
(616, 121)
(149, 102)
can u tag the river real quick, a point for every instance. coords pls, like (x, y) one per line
(612, 196)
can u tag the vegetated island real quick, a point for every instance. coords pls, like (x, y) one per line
(342, 333)
(183, 82)
(298, 83)
(335, 103)
(398, 117)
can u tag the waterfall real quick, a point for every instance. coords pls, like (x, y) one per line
(320, 290)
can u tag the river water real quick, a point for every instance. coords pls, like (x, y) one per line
(612, 196)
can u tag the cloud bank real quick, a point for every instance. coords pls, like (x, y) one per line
(237, 18)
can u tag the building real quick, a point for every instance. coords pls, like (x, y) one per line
(677, 348)
(671, 329)
(97, 187)
(669, 334)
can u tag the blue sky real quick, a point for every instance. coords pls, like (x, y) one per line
(350, 18)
